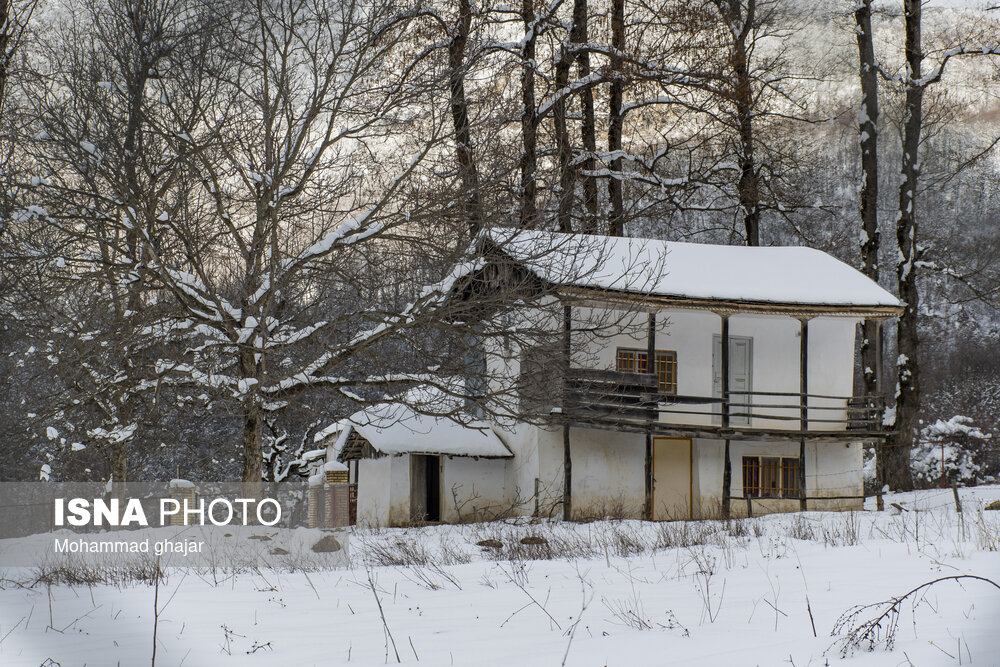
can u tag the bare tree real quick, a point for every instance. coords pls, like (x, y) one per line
(529, 118)
(214, 197)
(579, 38)
(897, 464)
(741, 20)
(616, 220)
(105, 184)
(868, 131)
(296, 182)
(460, 116)
(914, 82)
(14, 19)
(564, 146)
(869, 242)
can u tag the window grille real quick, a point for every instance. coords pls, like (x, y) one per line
(635, 361)
(770, 477)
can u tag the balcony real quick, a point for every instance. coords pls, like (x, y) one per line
(630, 402)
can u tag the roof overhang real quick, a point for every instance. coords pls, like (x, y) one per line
(588, 296)
(361, 438)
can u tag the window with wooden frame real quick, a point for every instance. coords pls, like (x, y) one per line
(770, 477)
(629, 360)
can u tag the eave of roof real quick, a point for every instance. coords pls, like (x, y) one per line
(600, 296)
(395, 439)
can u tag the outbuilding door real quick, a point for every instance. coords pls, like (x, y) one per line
(671, 478)
(425, 488)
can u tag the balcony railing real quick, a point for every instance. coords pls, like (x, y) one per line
(631, 400)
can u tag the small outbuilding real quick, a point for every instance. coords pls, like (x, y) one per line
(413, 468)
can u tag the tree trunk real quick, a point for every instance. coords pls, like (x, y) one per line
(253, 450)
(253, 423)
(132, 148)
(741, 20)
(579, 38)
(869, 238)
(6, 33)
(7, 148)
(119, 469)
(529, 120)
(564, 149)
(897, 468)
(472, 202)
(616, 221)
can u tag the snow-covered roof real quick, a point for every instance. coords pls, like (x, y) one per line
(395, 428)
(786, 275)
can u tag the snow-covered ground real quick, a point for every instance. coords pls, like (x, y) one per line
(767, 591)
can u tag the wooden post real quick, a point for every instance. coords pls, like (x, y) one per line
(944, 484)
(804, 405)
(724, 371)
(651, 345)
(567, 475)
(879, 379)
(958, 508)
(727, 480)
(651, 369)
(647, 510)
(537, 489)
(727, 466)
(567, 457)
(880, 443)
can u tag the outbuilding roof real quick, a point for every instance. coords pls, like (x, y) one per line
(395, 428)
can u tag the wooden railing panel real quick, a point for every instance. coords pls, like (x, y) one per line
(608, 396)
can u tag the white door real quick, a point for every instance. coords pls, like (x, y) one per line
(740, 376)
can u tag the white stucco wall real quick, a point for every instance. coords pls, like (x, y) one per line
(399, 494)
(549, 443)
(384, 491)
(833, 475)
(503, 365)
(608, 470)
(374, 485)
(608, 473)
(706, 477)
(472, 489)
(521, 471)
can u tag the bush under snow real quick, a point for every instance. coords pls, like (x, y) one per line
(962, 446)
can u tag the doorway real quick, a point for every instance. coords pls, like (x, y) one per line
(671, 479)
(740, 378)
(425, 488)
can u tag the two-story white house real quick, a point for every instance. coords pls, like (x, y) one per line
(678, 381)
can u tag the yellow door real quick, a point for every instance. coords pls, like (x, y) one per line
(671, 478)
